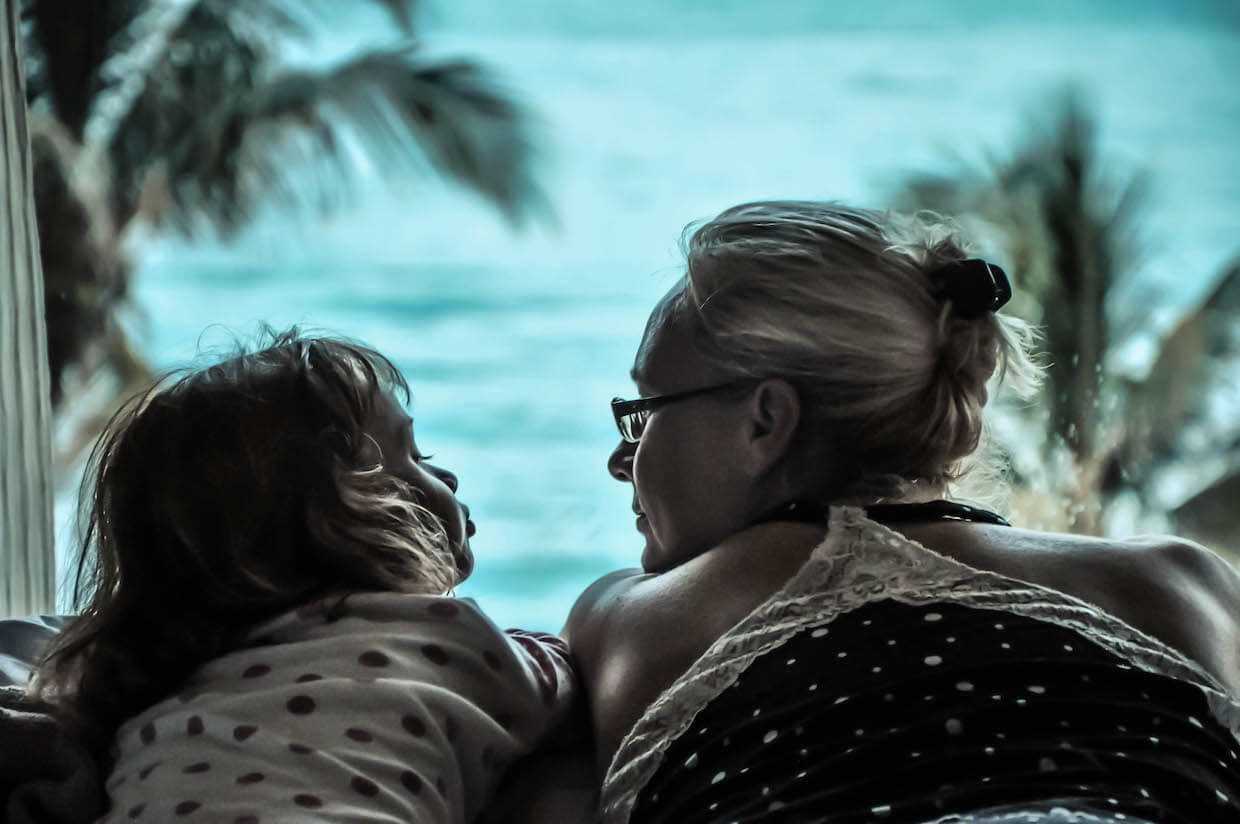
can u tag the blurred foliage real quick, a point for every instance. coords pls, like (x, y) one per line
(184, 116)
(1071, 235)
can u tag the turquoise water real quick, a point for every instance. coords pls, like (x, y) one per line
(515, 342)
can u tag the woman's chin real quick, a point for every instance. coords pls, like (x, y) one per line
(658, 557)
(654, 559)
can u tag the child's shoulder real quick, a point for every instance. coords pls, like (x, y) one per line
(414, 632)
(360, 636)
(373, 613)
(435, 610)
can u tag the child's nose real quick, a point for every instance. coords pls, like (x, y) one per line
(448, 478)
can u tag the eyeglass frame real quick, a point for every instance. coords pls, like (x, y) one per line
(621, 409)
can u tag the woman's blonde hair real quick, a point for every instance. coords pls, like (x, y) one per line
(224, 497)
(845, 305)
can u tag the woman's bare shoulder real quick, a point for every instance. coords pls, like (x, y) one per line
(1182, 567)
(1173, 589)
(590, 612)
(634, 633)
(1197, 565)
(1185, 594)
(732, 577)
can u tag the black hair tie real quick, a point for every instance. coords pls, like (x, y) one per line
(973, 286)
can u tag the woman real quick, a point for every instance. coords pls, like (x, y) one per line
(815, 635)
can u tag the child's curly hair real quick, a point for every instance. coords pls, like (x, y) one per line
(234, 493)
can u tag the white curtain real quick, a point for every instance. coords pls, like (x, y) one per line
(27, 562)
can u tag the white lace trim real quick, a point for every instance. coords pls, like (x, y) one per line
(861, 561)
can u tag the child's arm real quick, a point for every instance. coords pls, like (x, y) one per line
(548, 659)
(554, 786)
(557, 782)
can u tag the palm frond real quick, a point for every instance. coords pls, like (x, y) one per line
(1210, 516)
(175, 37)
(1223, 301)
(302, 17)
(153, 31)
(85, 275)
(402, 13)
(174, 65)
(173, 59)
(949, 194)
(66, 43)
(1175, 412)
(399, 111)
(1070, 233)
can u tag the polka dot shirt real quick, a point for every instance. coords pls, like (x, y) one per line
(375, 707)
(898, 713)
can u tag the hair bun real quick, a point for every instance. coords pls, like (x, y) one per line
(974, 286)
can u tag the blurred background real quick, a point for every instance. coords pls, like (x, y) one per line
(492, 193)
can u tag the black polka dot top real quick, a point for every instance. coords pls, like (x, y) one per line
(902, 712)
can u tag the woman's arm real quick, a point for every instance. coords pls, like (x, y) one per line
(588, 620)
(633, 634)
(1206, 614)
(596, 632)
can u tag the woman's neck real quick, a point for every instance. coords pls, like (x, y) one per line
(885, 511)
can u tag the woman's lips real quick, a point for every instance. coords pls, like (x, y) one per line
(641, 516)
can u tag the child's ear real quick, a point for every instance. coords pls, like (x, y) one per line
(772, 418)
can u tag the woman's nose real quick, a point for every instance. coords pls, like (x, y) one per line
(620, 462)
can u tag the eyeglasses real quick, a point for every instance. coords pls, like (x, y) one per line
(631, 416)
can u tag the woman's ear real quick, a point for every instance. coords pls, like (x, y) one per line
(772, 418)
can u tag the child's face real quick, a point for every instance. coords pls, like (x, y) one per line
(392, 430)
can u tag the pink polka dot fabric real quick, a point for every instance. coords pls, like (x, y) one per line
(378, 707)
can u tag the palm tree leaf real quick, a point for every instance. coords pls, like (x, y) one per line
(1210, 516)
(179, 33)
(947, 194)
(402, 12)
(66, 42)
(152, 30)
(1070, 233)
(1223, 301)
(397, 110)
(1195, 364)
(174, 61)
(160, 81)
(85, 275)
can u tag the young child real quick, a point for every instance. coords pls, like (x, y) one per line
(265, 634)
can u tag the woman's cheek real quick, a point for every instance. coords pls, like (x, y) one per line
(645, 487)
